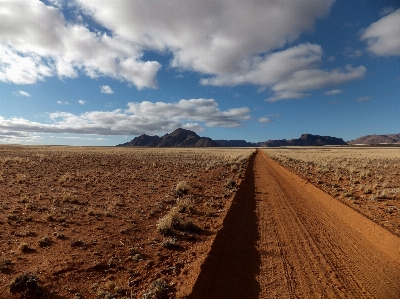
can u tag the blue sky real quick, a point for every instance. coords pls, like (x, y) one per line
(102, 72)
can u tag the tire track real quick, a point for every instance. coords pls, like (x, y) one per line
(284, 238)
(330, 258)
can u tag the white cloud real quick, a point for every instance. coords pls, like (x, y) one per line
(229, 44)
(264, 120)
(18, 137)
(139, 118)
(286, 95)
(21, 93)
(62, 102)
(383, 36)
(193, 127)
(211, 37)
(43, 44)
(291, 72)
(363, 99)
(106, 89)
(82, 102)
(333, 92)
(79, 138)
(387, 10)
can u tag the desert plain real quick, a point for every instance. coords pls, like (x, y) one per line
(105, 222)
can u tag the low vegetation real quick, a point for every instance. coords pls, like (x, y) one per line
(121, 217)
(158, 289)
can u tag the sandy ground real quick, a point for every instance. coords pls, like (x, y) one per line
(276, 236)
(88, 218)
(285, 238)
(365, 179)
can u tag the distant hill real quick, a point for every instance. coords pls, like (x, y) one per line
(186, 138)
(306, 140)
(377, 139)
(236, 143)
(178, 138)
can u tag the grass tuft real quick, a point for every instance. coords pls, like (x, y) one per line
(171, 220)
(158, 289)
(182, 188)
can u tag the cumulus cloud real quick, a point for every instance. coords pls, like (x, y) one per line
(106, 89)
(81, 102)
(21, 93)
(383, 36)
(43, 44)
(290, 72)
(138, 118)
(18, 137)
(211, 37)
(62, 102)
(228, 44)
(333, 92)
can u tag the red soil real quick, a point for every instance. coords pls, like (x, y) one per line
(277, 236)
(99, 208)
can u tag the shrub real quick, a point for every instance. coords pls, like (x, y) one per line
(25, 247)
(171, 220)
(234, 168)
(157, 289)
(367, 191)
(27, 283)
(169, 243)
(185, 205)
(4, 265)
(230, 183)
(182, 188)
(189, 227)
(45, 241)
(133, 251)
(382, 195)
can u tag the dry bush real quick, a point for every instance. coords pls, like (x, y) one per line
(234, 168)
(20, 178)
(171, 220)
(26, 283)
(230, 183)
(4, 265)
(169, 243)
(185, 205)
(157, 289)
(24, 247)
(182, 187)
(189, 227)
(44, 241)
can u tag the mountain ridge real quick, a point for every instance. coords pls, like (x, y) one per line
(186, 138)
(178, 138)
(376, 139)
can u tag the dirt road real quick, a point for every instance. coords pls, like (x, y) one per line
(285, 238)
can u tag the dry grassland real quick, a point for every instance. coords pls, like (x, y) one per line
(366, 179)
(110, 222)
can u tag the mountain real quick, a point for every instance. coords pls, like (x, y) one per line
(306, 140)
(377, 139)
(235, 143)
(186, 138)
(178, 138)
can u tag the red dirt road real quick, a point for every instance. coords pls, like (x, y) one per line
(285, 238)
